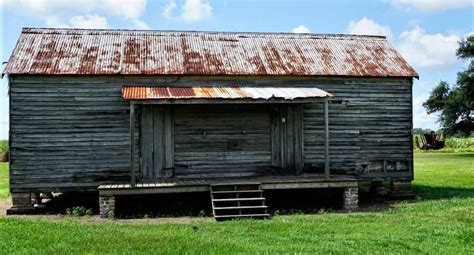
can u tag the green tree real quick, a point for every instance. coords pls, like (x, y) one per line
(456, 104)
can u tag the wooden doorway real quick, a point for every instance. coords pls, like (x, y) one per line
(156, 142)
(287, 139)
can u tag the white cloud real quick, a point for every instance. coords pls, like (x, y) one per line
(196, 10)
(169, 9)
(55, 21)
(300, 29)
(430, 5)
(129, 9)
(140, 24)
(88, 21)
(42, 8)
(59, 12)
(367, 26)
(428, 50)
(191, 11)
(419, 48)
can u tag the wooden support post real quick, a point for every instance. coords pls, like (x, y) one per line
(326, 139)
(132, 144)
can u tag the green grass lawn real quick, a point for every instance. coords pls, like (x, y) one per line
(4, 192)
(440, 223)
(444, 175)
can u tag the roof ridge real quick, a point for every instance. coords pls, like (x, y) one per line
(283, 34)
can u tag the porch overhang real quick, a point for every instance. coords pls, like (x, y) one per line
(221, 95)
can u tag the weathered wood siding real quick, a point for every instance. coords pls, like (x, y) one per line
(222, 140)
(370, 122)
(70, 132)
(67, 134)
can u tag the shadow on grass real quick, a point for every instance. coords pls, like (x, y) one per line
(433, 192)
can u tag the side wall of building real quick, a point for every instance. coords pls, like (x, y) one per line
(72, 132)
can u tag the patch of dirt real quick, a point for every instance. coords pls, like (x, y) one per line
(5, 203)
(94, 219)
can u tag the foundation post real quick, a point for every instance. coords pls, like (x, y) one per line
(401, 189)
(351, 198)
(21, 203)
(107, 206)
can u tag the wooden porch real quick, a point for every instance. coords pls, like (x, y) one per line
(232, 197)
(203, 185)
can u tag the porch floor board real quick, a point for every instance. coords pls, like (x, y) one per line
(203, 185)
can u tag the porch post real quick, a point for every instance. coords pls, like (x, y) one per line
(326, 139)
(132, 143)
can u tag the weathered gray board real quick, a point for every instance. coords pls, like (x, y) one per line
(220, 140)
(71, 132)
(156, 140)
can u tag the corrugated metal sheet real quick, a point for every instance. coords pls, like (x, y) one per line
(141, 92)
(76, 51)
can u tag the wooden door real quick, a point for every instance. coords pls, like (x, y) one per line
(156, 142)
(287, 139)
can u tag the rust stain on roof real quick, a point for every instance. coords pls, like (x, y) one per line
(217, 92)
(126, 52)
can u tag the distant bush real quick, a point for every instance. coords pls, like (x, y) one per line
(4, 151)
(4, 146)
(460, 143)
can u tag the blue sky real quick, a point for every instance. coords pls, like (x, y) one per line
(425, 32)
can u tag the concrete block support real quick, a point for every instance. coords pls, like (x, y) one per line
(107, 206)
(21, 203)
(400, 189)
(351, 198)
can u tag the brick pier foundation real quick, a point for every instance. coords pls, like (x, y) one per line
(351, 198)
(107, 206)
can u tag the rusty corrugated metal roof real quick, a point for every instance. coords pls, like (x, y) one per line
(286, 93)
(86, 51)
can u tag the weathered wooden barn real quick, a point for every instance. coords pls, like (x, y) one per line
(234, 114)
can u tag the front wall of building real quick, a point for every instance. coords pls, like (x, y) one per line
(70, 132)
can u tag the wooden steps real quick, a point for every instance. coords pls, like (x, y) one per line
(238, 200)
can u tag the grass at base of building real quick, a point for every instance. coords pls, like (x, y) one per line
(441, 222)
(4, 180)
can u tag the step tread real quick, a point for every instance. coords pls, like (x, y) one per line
(241, 207)
(237, 191)
(235, 183)
(238, 199)
(242, 215)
